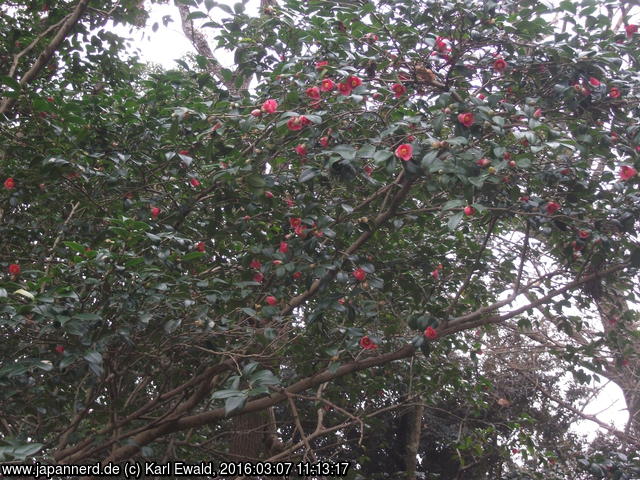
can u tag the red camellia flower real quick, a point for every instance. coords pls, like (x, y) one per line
(301, 149)
(14, 269)
(466, 119)
(367, 343)
(552, 207)
(441, 45)
(295, 222)
(368, 169)
(354, 82)
(301, 230)
(194, 182)
(469, 210)
(481, 96)
(359, 274)
(184, 152)
(258, 277)
(270, 106)
(320, 65)
(430, 333)
(296, 275)
(201, 247)
(268, 194)
(324, 141)
(594, 82)
(327, 85)
(398, 89)
(537, 113)
(483, 162)
(404, 151)
(271, 300)
(289, 201)
(284, 247)
(255, 264)
(313, 92)
(583, 234)
(630, 29)
(277, 262)
(344, 88)
(9, 183)
(155, 211)
(614, 92)
(627, 172)
(296, 123)
(59, 349)
(256, 112)
(499, 65)
(436, 274)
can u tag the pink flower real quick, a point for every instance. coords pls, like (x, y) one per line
(466, 119)
(14, 269)
(500, 65)
(359, 274)
(295, 222)
(404, 151)
(327, 85)
(614, 92)
(313, 92)
(268, 194)
(368, 169)
(258, 277)
(194, 182)
(430, 333)
(155, 211)
(270, 106)
(297, 275)
(184, 152)
(398, 89)
(300, 230)
(284, 247)
(59, 349)
(289, 201)
(320, 65)
(256, 112)
(469, 210)
(436, 274)
(301, 149)
(594, 82)
(630, 29)
(481, 96)
(537, 113)
(201, 247)
(255, 264)
(271, 300)
(583, 234)
(294, 124)
(324, 141)
(367, 343)
(552, 207)
(9, 183)
(354, 82)
(627, 172)
(344, 88)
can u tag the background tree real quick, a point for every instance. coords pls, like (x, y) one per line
(377, 255)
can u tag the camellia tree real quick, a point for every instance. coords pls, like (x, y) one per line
(397, 240)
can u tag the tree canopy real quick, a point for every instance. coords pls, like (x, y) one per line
(399, 234)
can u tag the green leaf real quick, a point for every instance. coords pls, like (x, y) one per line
(455, 220)
(234, 403)
(307, 174)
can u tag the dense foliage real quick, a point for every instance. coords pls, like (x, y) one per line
(409, 244)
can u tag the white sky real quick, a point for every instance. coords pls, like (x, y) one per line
(169, 43)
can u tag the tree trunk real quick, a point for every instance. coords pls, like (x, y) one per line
(413, 441)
